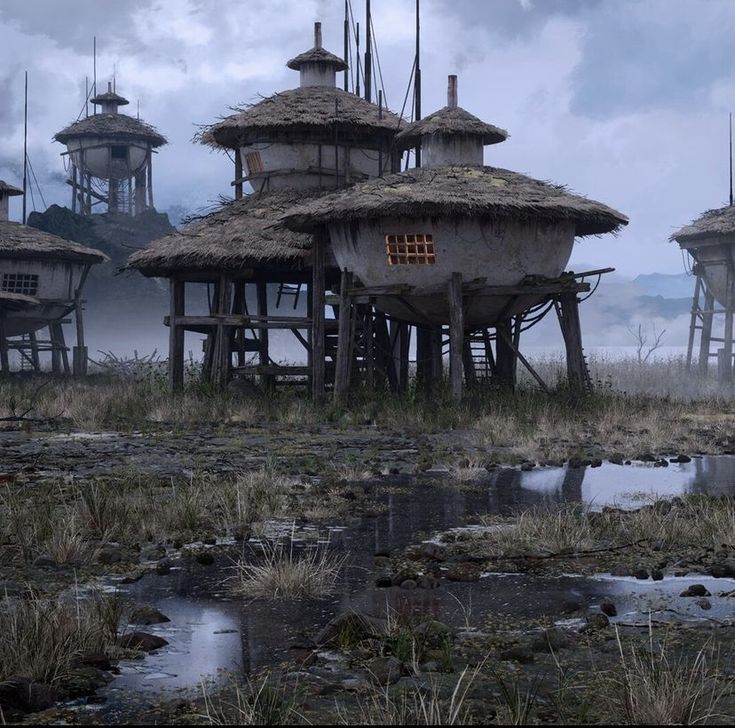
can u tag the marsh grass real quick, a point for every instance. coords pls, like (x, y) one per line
(655, 686)
(692, 521)
(261, 701)
(43, 638)
(284, 572)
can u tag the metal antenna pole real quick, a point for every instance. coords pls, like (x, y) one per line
(25, 150)
(94, 65)
(368, 53)
(86, 95)
(417, 77)
(730, 159)
(347, 45)
(357, 55)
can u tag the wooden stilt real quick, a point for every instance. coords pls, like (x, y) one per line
(342, 369)
(404, 349)
(571, 329)
(504, 355)
(369, 340)
(238, 175)
(4, 358)
(35, 358)
(470, 375)
(725, 358)
(264, 357)
(238, 307)
(423, 358)
(317, 315)
(387, 361)
(176, 334)
(503, 334)
(437, 357)
(62, 348)
(693, 321)
(222, 359)
(55, 353)
(79, 353)
(705, 340)
(456, 336)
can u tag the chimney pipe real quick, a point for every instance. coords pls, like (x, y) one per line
(452, 92)
(317, 35)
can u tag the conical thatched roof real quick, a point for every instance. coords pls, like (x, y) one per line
(318, 55)
(22, 241)
(106, 125)
(459, 192)
(9, 190)
(713, 223)
(17, 301)
(108, 97)
(317, 110)
(450, 121)
(234, 237)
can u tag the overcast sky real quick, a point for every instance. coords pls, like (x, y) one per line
(625, 101)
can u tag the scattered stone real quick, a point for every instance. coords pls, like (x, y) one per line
(551, 640)
(210, 541)
(723, 569)
(147, 615)
(432, 551)
(428, 581)
(464, 572)
(657, 574)
(96, 659)
(621, 571)
(596, 621)
(704, 603)
(578, 462)
(571, 606)
(398, 579)
(408, 584)
(681, 459)
(616, 458)
(205, 558)
(353, 624)
(163, 567)
(519, 654)
(595, 463)
(133, 576)
(608, 607)
(25, 695)
(662, 463)
(383, 582)
(385, 670)
(695, 590)
(109, 555)
(45, 562)
(141, 641)
(641, 573)
(528, 467)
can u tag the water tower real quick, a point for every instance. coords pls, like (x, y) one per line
(110, 159)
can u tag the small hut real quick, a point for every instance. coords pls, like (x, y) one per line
(458, 243)
(41, 282)
(710, 242)
(291, 146)
(110, 159)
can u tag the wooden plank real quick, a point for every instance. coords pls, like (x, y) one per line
(273, 370)
(317, 315)
(176, 335)
(238, 175)
(342, 370)
(568, 312)
(706, 336)
(503, 334)
(235, 321)
(456, 336)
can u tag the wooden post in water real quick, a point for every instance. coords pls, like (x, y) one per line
(456, 336)
(176, 335)
(318, 302)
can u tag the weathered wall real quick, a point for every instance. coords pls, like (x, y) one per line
(438, 150)
(712, 255)
(502, 252)
(318, 74)
(93, 155)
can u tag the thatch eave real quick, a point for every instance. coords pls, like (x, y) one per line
(19, 241)
(717, 223)
(450, 121)
(121, 126)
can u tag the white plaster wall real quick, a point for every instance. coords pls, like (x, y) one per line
(318, 74)
(502, 252)
(301, 157)
(438, 150)
(712, 254)
(93, 155)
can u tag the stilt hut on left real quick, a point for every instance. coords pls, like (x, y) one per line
(41, 281)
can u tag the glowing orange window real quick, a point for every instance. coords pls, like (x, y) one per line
(410, 249)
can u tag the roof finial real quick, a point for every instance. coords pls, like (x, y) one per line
(452, 101)
(317, 35)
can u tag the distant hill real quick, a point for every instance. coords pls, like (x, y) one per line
(679, 285)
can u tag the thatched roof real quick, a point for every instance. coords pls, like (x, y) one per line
(238, 235)
(22, 241)
(318, 55)
(8, 190)
(110, 96)
(450, 121)
(106, 125)
(713, 223)
(307, 109)
(460, 192)
(17, 301)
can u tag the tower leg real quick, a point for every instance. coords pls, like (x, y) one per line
(505, 357)
(4, 358)
(222, 347)
(264, 358)
(35, 358)
(318, 326)
(456, 336)
(693, 321)
(705, 340)
(344, 345)
(176, 335)
(568, 313)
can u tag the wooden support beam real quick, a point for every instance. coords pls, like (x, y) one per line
(264, 357)
(504, 355)
(469, 363)
(503, 334)
(423, 358)
(238, 175)
(693, 321)
(318, 303)
(4, 358)
(705, 340)
(344, 347)
(35, 358)
(456, 336)
(222, 359)
(176, 334)
(79, 353)
(568, 313)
